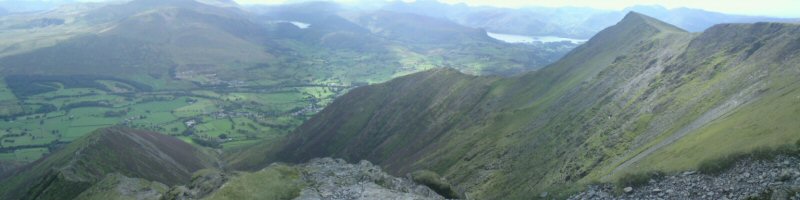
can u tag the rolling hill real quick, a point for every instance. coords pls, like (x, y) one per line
(641, 96)
(143, 38)
(128, 152)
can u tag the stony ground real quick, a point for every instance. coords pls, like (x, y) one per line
(756, 179)
(333, 179)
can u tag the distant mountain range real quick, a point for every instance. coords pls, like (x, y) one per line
(569, 22)
(155, 39)
(566, 22)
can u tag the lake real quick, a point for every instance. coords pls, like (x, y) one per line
(510, 38)
(300, 25)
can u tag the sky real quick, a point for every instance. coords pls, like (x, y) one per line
(777, 8)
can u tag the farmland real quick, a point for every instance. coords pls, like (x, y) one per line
(49, 113)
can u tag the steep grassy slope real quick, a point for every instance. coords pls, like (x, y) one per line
(66, 173)
(637, 96)
(430, 107)
(761, 81)
(446, 91)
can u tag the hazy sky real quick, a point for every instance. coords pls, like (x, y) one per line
(779, 8)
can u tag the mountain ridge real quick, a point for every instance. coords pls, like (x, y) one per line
(632, 86)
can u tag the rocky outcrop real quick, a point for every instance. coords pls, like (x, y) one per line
(329, 178)
(758, 179)
(204, 182)
(118, 186)
(320, 178)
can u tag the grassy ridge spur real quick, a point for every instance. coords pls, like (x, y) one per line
(640, 96)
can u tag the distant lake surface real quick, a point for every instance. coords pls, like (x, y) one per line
(510, 38)
(301, 25)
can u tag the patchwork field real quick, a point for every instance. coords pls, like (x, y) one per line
(49, 114)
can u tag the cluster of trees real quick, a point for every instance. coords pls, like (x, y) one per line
(46, 108)
(86, 104)
(43, 109)
(28, 85)
(207, 142)
(118, 113)
(54, 145)
(123, 86)
(154, 99)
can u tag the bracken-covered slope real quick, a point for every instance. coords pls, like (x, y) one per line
(132, 153)
(642, 95)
